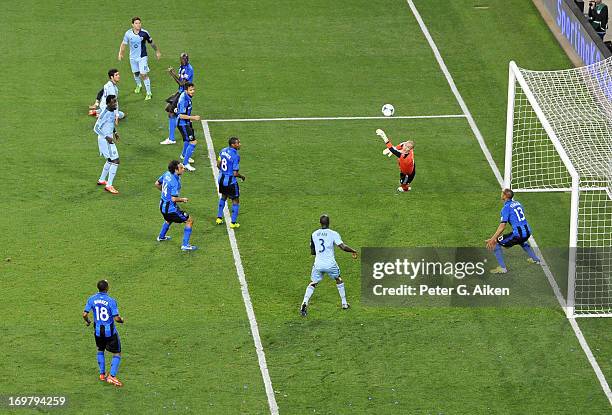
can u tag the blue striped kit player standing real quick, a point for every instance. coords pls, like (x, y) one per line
(185, 126)
(182, 78)
(514, 214)
(169, 184)
(106, 314)
(228, 164)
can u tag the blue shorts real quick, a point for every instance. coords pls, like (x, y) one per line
(509, 240)
(317, 273)
(231, 190)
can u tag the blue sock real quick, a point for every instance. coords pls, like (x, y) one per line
(527, 248)
(172, 122)
(235, 209)
(500, 256)
(185, 145)
(221, 207)
(101, 362)
(186, 236)
(164, 230)
(115, 365)
(189, 151)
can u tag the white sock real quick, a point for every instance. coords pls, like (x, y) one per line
(341, 292)
(147, 83)
(137, 79)
(309, 292)
(111, 173)
(104, 171)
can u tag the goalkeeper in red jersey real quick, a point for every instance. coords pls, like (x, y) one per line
(405, 160)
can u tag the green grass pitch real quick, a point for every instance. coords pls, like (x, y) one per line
(187, 345)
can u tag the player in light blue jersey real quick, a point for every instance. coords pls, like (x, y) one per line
(183, 111)
(182, 78)
(169, 184)
(106, 314)
(107, 138)
(228, 164)
(136, 39)
(109, 88)
(322, 244)
(514, 214)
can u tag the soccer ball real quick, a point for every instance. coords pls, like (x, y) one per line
(388, 110)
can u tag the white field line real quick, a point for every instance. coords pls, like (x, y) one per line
(246, 297)
(487, 153)
(400, 117)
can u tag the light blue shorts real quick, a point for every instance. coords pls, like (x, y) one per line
(317, 273)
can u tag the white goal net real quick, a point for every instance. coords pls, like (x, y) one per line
(559, 138)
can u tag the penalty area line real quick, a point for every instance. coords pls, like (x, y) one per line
(399, 117)
(244, 288)
(581, 339)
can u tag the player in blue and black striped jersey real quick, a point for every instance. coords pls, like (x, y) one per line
(183, 111)
(182, 78)
(106, 314)
(169, 184)
(228, 164)
(514, 214)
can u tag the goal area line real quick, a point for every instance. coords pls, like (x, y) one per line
(398, 117)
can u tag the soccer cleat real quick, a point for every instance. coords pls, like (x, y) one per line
(166, 142)
(138, 88)
(532, 261)
(498, 270)
(101, 183)
(114, 381)
(165, 238)
(93, 113)
(112, 190)
(346, 306)
(234, 225)
(304, 310)
(401, 189)
(148, 97)
(190, 159)
(189, 167)
(188, 248)
(103, 377)
(219, 221)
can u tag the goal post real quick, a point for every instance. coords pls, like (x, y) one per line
(559, 139)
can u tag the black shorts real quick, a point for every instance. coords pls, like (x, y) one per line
(176, 217)
(187, 132)
(232, 191)
(111, 344)
(407, 178)
(508, 240)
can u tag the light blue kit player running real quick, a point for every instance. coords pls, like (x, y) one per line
(136, 39)
(182, 78)
(514, 214)
(322, 243)
(106, 314)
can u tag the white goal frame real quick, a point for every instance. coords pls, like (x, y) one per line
(516, 80)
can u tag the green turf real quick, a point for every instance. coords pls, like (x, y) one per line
(187, 342)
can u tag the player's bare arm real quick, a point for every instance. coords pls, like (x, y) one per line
(180, 199)
(119, 319)
(86, 318)
(347, 248)
(156, 49)
(121, 51)
(493, 239)
(190, 117)
(240, 176)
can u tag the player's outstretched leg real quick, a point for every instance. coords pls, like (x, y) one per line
(220, 208)
(102, 365)
(112, 376)
(186, 235)
(533, 258)
(501, 269)
(235, 210)
(162, 233)
(309, 291)
(341, 291)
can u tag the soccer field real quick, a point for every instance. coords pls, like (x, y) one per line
(187, 341)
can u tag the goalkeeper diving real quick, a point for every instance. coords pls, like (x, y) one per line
(405, 159)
